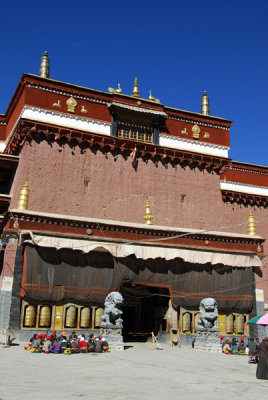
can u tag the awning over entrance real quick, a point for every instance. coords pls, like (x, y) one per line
(147, 251)
(53, 272)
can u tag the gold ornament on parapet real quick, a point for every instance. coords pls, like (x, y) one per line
(184, 132)
(16, 224)
(57, 105)
(196, 131)
(206, 135)
(112, 90)
(84, 110)
(71, 104)
(148, 216)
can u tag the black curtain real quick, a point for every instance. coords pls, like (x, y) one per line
(66, 274)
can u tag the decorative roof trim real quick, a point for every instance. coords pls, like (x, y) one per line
(192, 145)
(138, 109)
(244, 188)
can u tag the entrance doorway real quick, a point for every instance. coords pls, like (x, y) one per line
(144, 311)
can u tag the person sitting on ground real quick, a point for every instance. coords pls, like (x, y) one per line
(63, 344)
(241, 347)
(98, 344)
(227, 348)
(56, 346)
(105, 345)
(234, 347)
(91, 343)
(53, 336)
(252, 347)
(82, 344)
(47, 345)
(37, 344)
(72, 336)
(74, 344)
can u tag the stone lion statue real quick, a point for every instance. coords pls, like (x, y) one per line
(112, 312)
(208, 317)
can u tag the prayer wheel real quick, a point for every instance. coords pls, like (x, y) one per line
(45, 317)
(196, 318)
(186, 322)
(240, 324)
(30, 316)
(85, 317)
(71, 317)
(98, 315)
(230, 323)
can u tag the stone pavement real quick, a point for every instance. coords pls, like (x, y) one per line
(138, 373)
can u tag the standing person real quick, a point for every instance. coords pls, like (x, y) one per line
(262, 368)
(258, 343)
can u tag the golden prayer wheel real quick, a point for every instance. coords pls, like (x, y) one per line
(29, 316)
(98, 315)
(196, 318)
(240, 324)
(186, 322)
(230, 323)
(71, 317)
(85, 317)
(45, 317)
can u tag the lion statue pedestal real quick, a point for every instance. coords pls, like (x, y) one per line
(111, 321)
(207, 329)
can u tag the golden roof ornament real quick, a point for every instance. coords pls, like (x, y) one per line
(71, 104)
(251, 224)
(135, 92)
(44, 66)
(148, 216)
(24, 196)
(118, 90)
(205, 104)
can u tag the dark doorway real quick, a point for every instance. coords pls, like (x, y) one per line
(144, 311)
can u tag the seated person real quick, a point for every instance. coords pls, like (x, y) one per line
(82, 344)
(56, 346)
(105, 345)
(98, 345)
(91, 343)
(227, 348)
(63, 344)
(234, 347)
(47, 344)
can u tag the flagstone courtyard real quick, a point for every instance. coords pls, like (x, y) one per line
(139, 372)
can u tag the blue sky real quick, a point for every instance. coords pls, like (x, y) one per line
(177, 49)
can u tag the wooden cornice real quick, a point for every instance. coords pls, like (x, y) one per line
(29, 130)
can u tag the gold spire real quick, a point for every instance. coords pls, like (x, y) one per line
(24, 195)
(205, 104)
(148, 216)
(44, 66)
(136, 92)
(251, 224)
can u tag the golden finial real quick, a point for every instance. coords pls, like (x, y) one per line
(205, 104)
(136, 92)
(251, 224)
(150, 95)
(24, 195)
(44, 66)
(148, 216)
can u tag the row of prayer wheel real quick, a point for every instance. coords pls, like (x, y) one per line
(234, 323)
(71, 316)
(186, 321)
